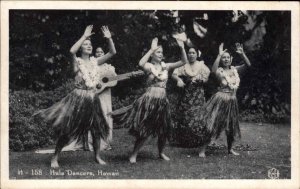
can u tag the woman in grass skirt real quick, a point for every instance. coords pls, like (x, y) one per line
(191, 78)
(150, 114)
(86, 142)
(80, 111)
(221, 110)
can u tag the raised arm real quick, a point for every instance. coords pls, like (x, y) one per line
(184, 59)
(146, 57)
(111, 46)
(74, 49)
(217, 61)
(87, 33)
(240, 51)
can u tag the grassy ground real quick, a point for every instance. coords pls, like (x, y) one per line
(271, 141)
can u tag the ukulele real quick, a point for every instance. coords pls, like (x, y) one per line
(110, 79)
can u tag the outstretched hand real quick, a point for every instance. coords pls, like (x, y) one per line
(239, 48)
(154, 44)
(221, 51)
(106, 32)
(88, 31)
(180, 83)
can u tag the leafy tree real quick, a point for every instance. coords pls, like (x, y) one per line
(39, 43)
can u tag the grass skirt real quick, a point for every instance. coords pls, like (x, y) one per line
(76, 114)
(218, 114)
(150, 114)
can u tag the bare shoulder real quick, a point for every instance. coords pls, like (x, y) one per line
(147, 67)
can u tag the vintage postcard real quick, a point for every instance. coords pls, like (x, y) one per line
(149, 94)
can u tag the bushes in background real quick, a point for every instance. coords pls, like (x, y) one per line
(27, 132)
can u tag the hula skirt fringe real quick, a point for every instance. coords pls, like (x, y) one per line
(221, 113)
(149, 114)
(76, 114)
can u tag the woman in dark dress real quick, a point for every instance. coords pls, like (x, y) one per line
(191, 77)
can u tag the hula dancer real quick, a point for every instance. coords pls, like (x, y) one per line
(221, 111)
(150, 114)
(80, 111)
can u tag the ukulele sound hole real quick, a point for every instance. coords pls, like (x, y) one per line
(98, 86)
(105, 80)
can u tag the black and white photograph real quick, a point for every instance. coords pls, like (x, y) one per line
(171, 92)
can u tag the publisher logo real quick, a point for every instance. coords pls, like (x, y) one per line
(273, 173)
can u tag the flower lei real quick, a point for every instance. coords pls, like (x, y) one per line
(90, 76)
(201, 74)
(188, 70)
(161, 75)
(232, 82)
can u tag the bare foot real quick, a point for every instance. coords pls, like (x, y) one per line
(100, 161)
(132, 159)
(202, 154)
(54, 163)
(164, 157)
(233, 152)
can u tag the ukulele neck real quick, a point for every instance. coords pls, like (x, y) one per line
(120, 77)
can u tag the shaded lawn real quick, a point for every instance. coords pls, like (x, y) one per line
(271, 141)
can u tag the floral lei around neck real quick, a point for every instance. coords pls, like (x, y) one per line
(89, 75)
(188, 70)
(161, 75)
(232, 82)
(201, 72)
